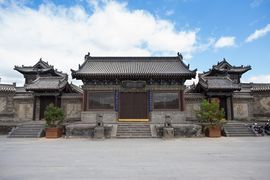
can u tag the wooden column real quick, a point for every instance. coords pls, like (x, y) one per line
(56, 101)
(34, 108)
(84, 100)
(182, 100)
(232, 108)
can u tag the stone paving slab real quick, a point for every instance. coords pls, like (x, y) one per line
(245, 158)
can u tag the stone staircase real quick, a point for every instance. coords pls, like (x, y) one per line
(234, 129)
(133, 130)
(28, 130)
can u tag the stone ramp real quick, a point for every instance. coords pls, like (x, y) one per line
(133, 130)
(237, 129)
(28, 130)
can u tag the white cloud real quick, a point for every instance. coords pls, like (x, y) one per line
(256, 3)
(194, 80)
(225, 42)
(259, 79)
(258, 33)
(169, 12)
(63, 35)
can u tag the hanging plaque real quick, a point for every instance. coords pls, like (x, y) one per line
(133, 84)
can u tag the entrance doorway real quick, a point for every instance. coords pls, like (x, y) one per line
(133, 106)
(44, 102)
(222, 103)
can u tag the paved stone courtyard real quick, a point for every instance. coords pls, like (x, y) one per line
(183, 158)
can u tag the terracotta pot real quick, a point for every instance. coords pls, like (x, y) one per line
(214, 131)
(54, 132)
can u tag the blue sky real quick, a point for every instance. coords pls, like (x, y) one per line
(207, 31)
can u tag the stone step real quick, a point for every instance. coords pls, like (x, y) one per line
(230, 132)
(132, 127)
(26, 133)
(141, 129)
(237, 130)
(23, 136)
(135, 133)
(240, 135)
(237, 126)
(27, 130)
(120, 131)
(133, 130)
(144, 128)
(134, 136)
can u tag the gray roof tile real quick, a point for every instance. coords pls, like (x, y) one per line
(47, 83)
(212, 82)
(7, 88)
(39, 68)
(227, 67)
(260, 87)
(119, 66)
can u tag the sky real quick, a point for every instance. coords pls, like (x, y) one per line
(204, 31)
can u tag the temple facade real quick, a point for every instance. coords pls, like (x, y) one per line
(133, 89)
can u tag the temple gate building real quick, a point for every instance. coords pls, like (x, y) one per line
(137, 91)
(220, 83)
(134, 89)
(45, 85)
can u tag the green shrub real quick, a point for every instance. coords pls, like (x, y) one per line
(210, 113)
(54, 116)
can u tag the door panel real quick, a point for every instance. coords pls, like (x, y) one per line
(44, 102)
(133, 105)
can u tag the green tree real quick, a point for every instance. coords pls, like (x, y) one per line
(54, 116)
(210, 113)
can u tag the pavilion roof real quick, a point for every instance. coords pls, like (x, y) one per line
(119, 67)
(224, 66)
(47, 83)
(40, 67)
(218, 83)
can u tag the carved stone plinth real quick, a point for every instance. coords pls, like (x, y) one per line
(168, 132)
(99, 133)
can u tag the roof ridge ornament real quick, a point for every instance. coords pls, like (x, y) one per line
(87, 56)
(180, 55)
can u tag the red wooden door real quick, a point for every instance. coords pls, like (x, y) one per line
(133, 105)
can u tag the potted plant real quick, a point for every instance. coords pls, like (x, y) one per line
(212, 117)
(54, 117)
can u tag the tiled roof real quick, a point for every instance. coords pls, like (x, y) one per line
(7, 88)
(28, 69)
(216, 82)
(133, 66)
(260, 87)
(76, 88)
(47, 83)
(227, 67)
(39, 68)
